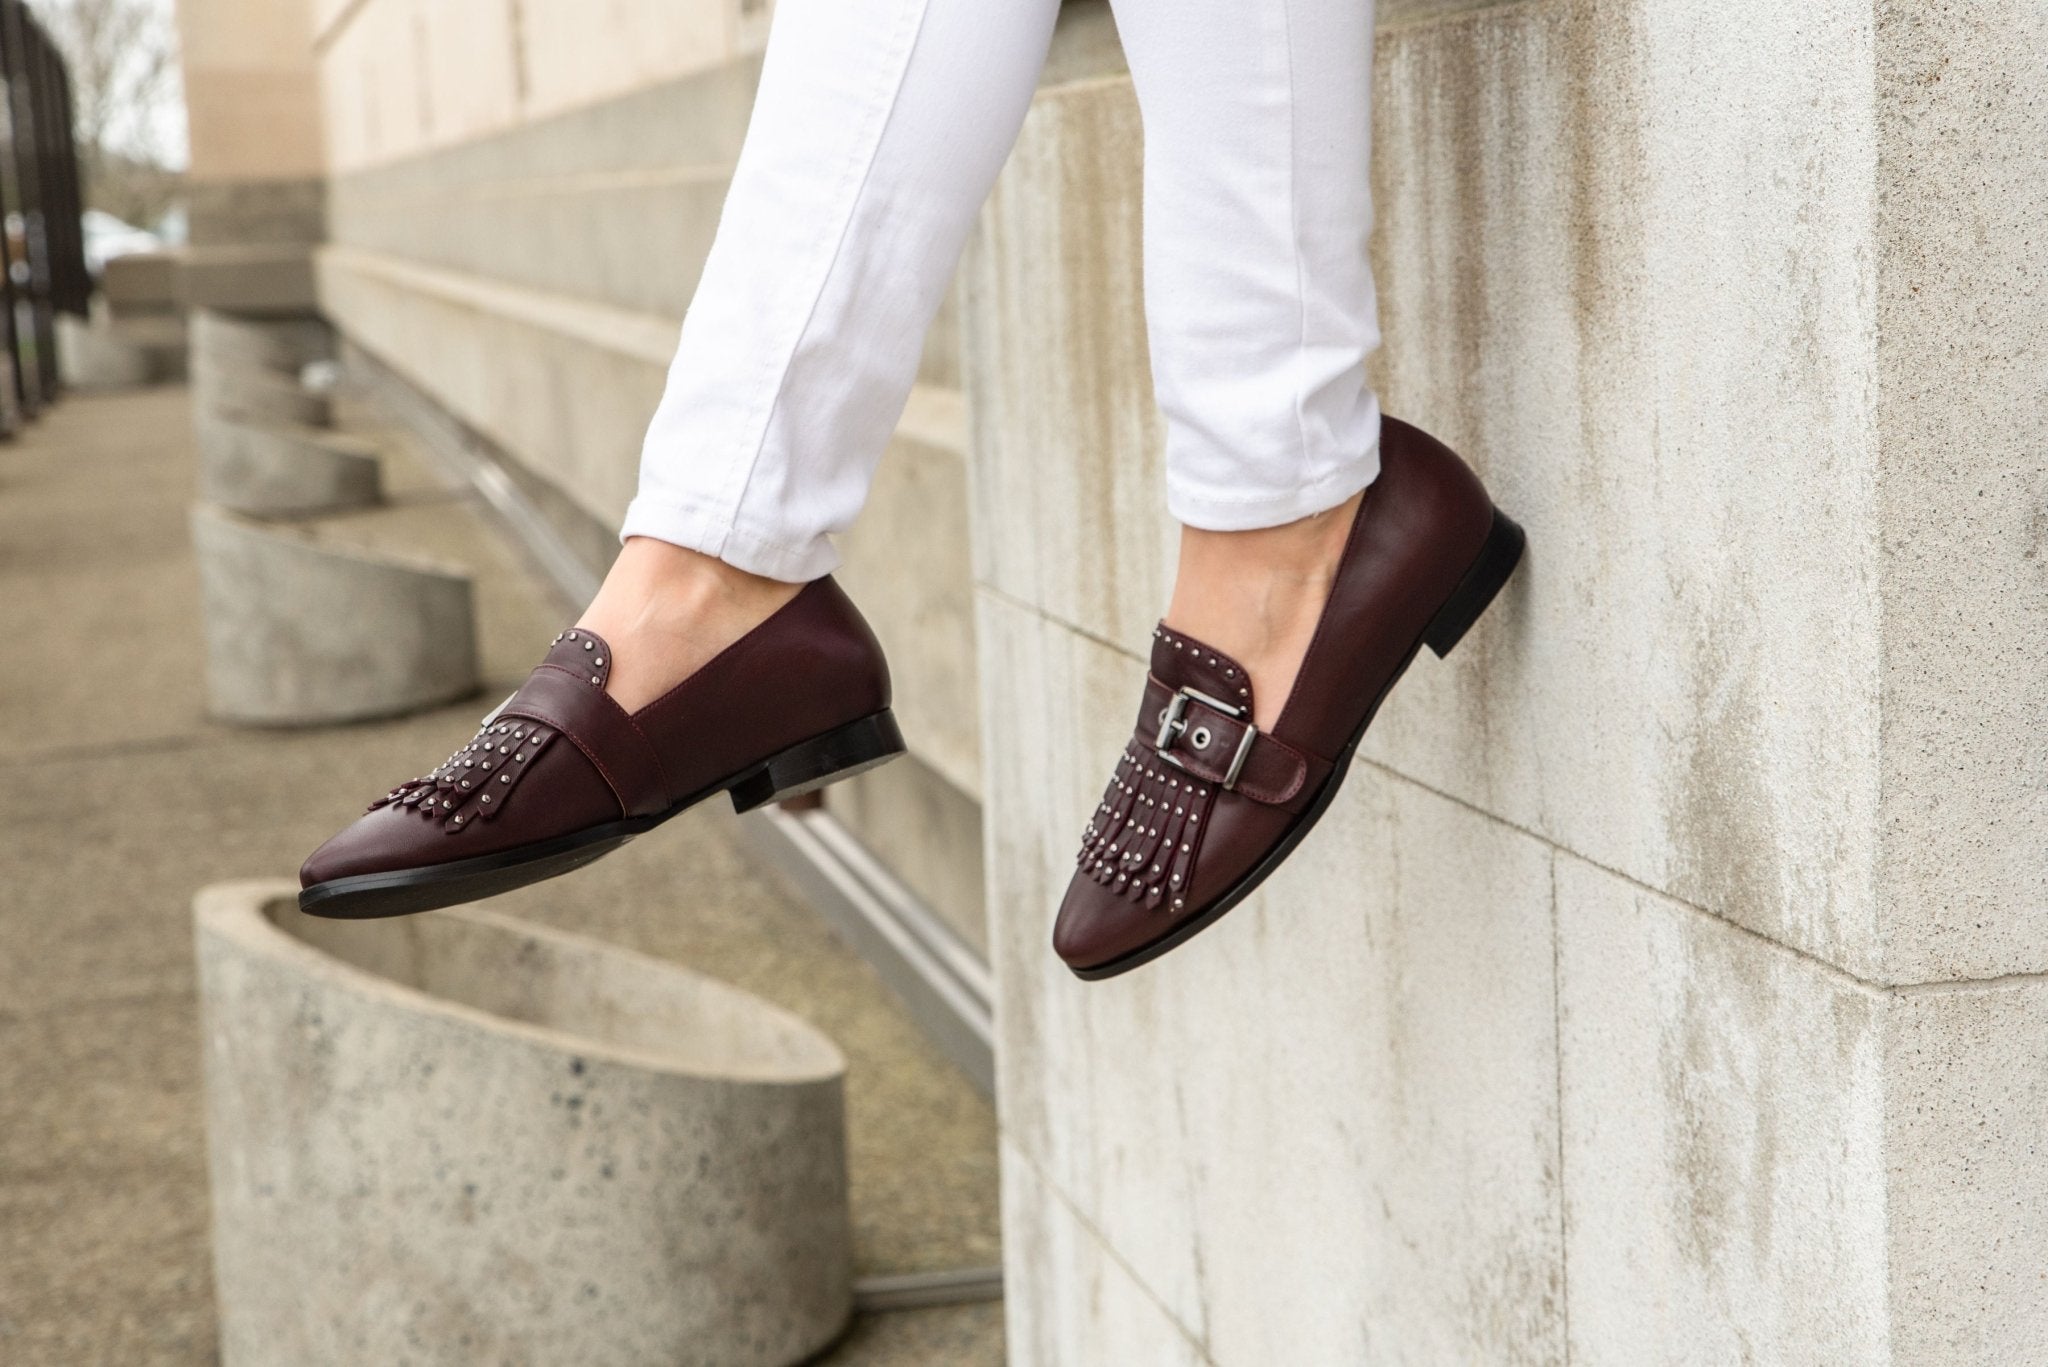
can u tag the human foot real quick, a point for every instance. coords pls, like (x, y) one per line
(667, 611)
(1241, 739)
(1257, 595)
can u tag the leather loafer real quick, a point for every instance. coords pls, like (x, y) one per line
(560, 774)
(1203, 805)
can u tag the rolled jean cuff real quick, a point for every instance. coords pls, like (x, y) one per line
(1232, 510)
(793, 562)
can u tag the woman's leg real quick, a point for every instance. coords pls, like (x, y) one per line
(1260, 305)
(877, 132)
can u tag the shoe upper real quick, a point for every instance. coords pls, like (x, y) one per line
(1177, 829)
(561, 757)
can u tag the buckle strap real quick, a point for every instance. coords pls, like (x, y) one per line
(582, 711)
(1216, 741)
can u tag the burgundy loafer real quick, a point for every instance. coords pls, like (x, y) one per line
(561, 775)
(1203, 805)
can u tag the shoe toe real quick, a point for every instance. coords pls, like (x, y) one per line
(388, 838)
(1096, 925)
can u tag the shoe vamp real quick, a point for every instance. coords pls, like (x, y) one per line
(563, 794)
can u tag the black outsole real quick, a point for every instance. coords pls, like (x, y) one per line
(840, 753)
(1476, 590)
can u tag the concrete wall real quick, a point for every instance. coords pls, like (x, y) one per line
(1662, 988)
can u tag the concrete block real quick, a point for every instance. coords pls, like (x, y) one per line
(1285, 1131)
(272, 470)
(142, 282)
(461, 1138)
(1724, 1158)
(91, 356)
(1962, 490)
(1087, 1307)
(1768, 1161)
(1687, 664)
(1966, 1104)
(302, 632)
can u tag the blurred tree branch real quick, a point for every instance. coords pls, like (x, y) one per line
(123, 56)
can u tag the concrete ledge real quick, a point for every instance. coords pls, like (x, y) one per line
(459, 1138)
(299, 632)
(272, 470)
(143, 282)
(262, 279)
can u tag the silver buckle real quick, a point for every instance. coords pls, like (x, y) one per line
(1173, 723)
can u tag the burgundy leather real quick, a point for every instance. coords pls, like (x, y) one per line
(575, 759)
(1169, 839)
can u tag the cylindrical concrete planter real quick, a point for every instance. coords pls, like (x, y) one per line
(281, 345)
(459, 1138)
(300, 631)
(255, 394)
(275, 470)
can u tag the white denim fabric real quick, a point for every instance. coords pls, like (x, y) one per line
(878, 131)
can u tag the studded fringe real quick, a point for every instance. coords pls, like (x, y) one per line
(475, 782)
(1144, 837)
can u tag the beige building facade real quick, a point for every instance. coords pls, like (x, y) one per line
(1668, 984)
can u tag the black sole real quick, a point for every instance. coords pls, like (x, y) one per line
(808, 765)
(1477, 588)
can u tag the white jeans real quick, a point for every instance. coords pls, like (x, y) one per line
(878, 131)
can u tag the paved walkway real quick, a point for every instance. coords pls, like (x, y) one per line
(118, 798)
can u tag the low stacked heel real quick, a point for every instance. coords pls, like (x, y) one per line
(1482, 583)
(850, 749)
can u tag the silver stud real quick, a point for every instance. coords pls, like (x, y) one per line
(458, 821)
(465, 783)
(590, 645)
(502, 778)
(598, 661)
(572, 635)
(485, 798)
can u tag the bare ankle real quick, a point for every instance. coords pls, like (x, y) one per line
(667, 610)
(1258, 595)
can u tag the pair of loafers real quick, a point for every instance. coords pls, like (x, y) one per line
(1201, 808)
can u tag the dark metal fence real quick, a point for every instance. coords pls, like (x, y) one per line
(42, 247)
